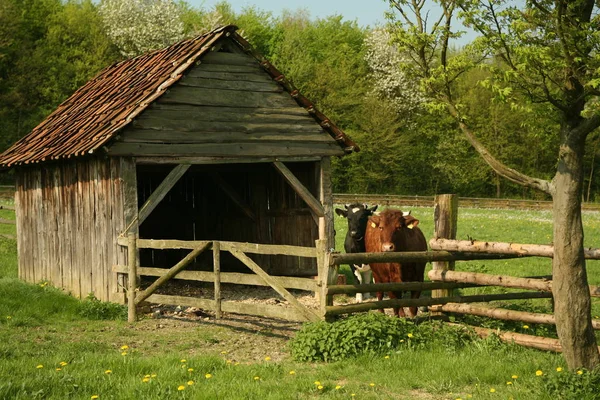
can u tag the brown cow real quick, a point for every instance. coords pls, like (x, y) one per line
(392, 230)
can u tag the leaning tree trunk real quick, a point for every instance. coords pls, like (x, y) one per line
(572, 304)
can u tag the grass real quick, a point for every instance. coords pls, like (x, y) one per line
(51, 348)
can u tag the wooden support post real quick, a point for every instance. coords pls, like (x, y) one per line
(217, 271)
(132, 277)
(171, 273)
(445, 219)
(300, 189)
(326, 228)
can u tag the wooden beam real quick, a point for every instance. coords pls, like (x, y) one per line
(309, 314)
(300, 189)
(217, 272)
(445, 221)
(159, 194)
(393, 287)
(233, 195)
(171, 273)
(408, 256)
(132, 276)
(326, 228)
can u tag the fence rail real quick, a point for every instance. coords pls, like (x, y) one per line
(469, 202)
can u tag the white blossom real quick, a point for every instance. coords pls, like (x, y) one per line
(390, 81)
(139, 26)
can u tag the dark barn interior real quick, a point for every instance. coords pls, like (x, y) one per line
(231, 202)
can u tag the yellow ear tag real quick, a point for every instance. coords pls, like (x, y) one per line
(373, 225)
(410, 226)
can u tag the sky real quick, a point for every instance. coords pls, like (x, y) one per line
(365, 12)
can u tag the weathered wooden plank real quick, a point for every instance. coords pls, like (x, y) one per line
(221, 160)
(225, 58)
(393, 287)
(307, 284)
(208, 113)
(176, 136)
(132, 276)
(126, 203)
(244, 75)
(300, 189)
(233, 69)
(445, 221)
(407, 256)
(205, 83)
(260, 149)
(309, 314)
(217, 273)
(227, 98)
(205, 127)
(263, 310)
(170, 273)
(326, 228)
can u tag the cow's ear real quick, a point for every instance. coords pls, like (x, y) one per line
(341, 213)
(410, 221)
(374, 221)
(372, 209)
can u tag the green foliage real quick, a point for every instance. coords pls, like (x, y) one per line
(560, 384)
(370, 333)
(92, 308)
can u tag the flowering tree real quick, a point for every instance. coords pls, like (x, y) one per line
(138, 26)
(390, 80)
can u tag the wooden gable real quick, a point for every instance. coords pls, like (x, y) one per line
(225, 106)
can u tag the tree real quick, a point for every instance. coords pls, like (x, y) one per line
(139, 26)
(546, 52)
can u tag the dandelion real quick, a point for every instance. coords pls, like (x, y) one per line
(124, 347)
(558, 369)
(183, 360)
(153, 376)
(59, 369)
(338, 387)
(224, 352)
(401, 340)
(317, 383)
(39, 366)
(579, 372)
(237, 363)
(208, 376)
(353, 394)
(8, 317)
(492, 390)
(94, 396)
(108, 372)
(124, 353)
(190, 383)
(190, 369)
(181, 387)
(525, 326)
(514, 376)
(458, 398)
(146, 380)
(539, 373)
(62, 363)
(267, 358)
(410, 335)
(292, 372)
(257, 378)
(372, 384)
(509, 383)
(469, 396)
(320, 387)
(386, 357)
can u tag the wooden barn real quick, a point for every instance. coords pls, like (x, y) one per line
(202, 140)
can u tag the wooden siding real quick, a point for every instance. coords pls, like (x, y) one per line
(225, 107)
(68, 218)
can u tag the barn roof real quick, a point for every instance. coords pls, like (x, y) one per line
(97, 111)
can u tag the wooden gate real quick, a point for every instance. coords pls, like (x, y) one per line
(281, 284)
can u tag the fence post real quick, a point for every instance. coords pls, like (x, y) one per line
(445, 220)
(132, 275)
(217, 271)
(327, 276)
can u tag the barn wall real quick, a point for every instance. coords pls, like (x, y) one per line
(68, 218)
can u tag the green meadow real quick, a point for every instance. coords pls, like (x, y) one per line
(53, 346)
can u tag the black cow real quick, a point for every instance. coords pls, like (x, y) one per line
(357, 216)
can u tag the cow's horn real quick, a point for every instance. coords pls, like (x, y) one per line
(406, 214)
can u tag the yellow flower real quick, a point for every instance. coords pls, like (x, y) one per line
(320, 387)
(558, 369)
(94, 396)
(539, 372)
(353, 394)
(338, 387)
(386, 357)
(237, 363)
(292, 372)
(124, 353)
(153, 376)
(492, 390)
(229, 361)
(124, 347)
(267, 358)
(509, 383)
(372, 384)
(208, 376)
(184, 360)
(410, 335)
(317, 383)
(181, 387)
(146, 380)
(469, 396)
(40, 366)
(146, 376)
(108, 371)
(401, 340)
(579, 372)
(62, 363)
(514, 376)
(190, 383)
(525, 326)
(224, 352)
(59, 369)
(257, 378)
(458, 398)
(8, 317)
(190, 369)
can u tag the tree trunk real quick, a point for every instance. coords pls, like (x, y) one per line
(572, 305)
